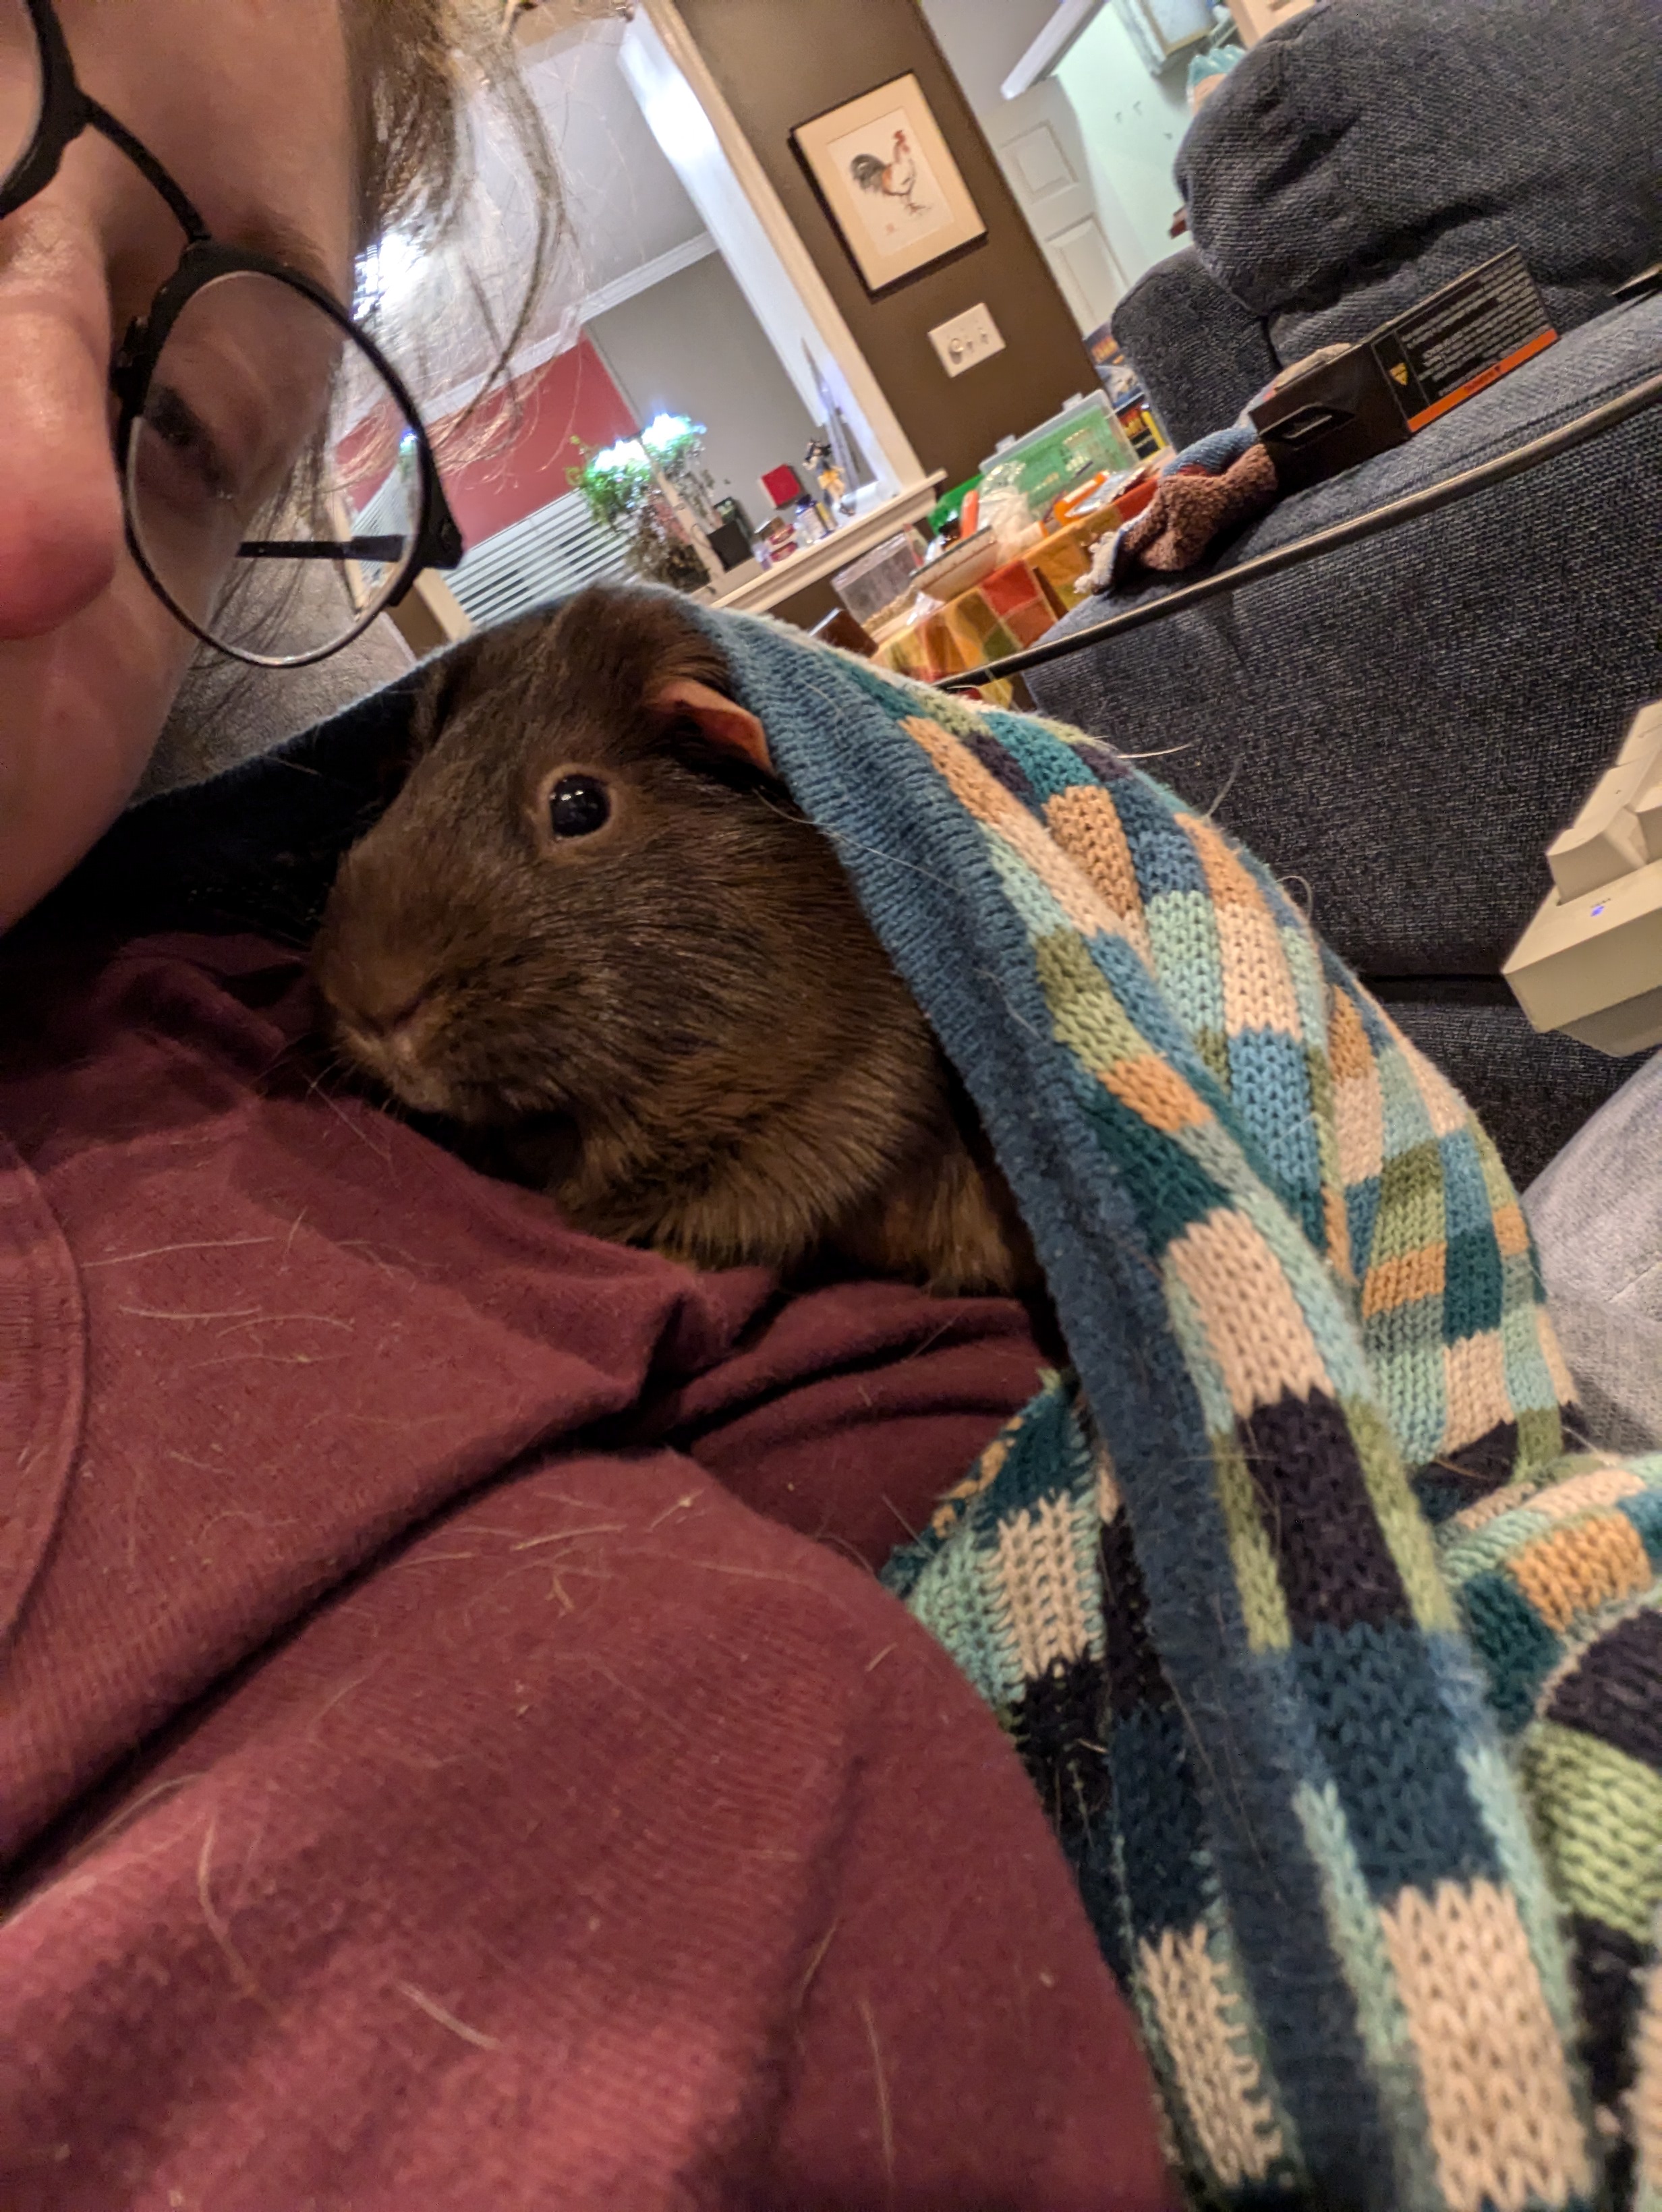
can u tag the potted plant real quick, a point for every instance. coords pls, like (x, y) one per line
(654, 492)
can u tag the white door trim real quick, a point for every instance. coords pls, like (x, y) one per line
(746, 218)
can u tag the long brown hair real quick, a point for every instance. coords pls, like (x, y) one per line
(415, 65)
(411, 61)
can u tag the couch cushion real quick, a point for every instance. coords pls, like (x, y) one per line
(1371, 151)
(1597, 1215)
(1200, 353)
(1533, 1093)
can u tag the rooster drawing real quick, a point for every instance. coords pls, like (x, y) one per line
(893, 180)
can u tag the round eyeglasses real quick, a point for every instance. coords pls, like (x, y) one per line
(279, 488)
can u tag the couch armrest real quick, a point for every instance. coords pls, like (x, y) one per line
(1201, 354)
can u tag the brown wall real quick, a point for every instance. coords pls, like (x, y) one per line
(781, 62)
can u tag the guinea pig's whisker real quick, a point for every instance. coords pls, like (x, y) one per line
(892, 860)
(1001, 991)
(316, 1083)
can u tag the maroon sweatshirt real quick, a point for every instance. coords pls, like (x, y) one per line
(454, 1750)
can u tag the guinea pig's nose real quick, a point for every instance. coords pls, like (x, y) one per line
(382, 1021)
(395, 1028)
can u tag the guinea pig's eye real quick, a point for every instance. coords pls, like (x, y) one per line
(578, 805)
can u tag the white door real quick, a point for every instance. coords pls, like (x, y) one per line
(1040, 148)
(1037, 140)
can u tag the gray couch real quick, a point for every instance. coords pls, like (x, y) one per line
(1372, 150)
(1400, 728)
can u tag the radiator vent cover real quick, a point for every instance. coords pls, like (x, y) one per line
(548, 555)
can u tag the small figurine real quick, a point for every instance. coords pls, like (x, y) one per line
(822, 462)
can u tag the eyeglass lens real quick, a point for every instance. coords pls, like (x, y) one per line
(272, 477)
(22, 85)
(273, 486)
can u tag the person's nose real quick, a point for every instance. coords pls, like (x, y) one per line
(60, 504)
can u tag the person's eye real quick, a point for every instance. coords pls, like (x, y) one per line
(232, 400)
(578, 805)
(179, 458)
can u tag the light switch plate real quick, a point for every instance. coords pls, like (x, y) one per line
(965, 340)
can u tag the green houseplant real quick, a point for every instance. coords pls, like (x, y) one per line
(653, 491)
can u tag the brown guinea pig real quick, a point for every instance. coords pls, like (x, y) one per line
(591, 921)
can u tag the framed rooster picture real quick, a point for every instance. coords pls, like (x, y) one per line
(889, 182)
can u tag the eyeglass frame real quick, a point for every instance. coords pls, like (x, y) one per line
(66, 110)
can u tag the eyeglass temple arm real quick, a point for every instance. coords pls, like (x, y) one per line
(109, 126)
(441, 545)
(323, 549)
(445, 553)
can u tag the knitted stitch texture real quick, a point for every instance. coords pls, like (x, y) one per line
(1342, 1684)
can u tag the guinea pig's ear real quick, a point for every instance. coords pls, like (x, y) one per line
(721, 722)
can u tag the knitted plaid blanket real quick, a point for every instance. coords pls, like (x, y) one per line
(1341, 1683)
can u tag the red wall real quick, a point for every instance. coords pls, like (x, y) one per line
(570, 400)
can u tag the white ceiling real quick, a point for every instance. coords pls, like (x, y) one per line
(624, 203)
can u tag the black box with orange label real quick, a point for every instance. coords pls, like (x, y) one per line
(1349, 403)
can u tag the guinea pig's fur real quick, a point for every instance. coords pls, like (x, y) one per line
(683, 1018)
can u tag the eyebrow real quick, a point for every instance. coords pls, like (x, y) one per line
(262, 230)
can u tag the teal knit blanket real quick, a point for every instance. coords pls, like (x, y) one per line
(1342, 1684)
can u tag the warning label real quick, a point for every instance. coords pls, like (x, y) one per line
(1462, 338)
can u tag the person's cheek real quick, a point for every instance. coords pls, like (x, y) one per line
(80, 712)
(88, 658)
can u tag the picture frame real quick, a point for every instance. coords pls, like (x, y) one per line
(885, 175)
